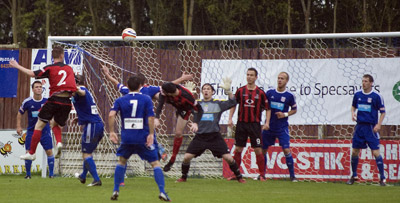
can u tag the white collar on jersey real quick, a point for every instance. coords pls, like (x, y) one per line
(33, 98)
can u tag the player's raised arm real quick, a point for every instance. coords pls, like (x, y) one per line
(26, 71)
(183, 78)
(106, 72)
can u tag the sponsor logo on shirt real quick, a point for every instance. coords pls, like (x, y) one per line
(277, 105)
(364, 107)
(207, 117)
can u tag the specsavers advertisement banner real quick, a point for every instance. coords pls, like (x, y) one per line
(323, 88)
(72, 58)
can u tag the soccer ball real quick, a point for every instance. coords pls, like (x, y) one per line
(128, 35)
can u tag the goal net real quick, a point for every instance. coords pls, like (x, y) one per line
(325, 71)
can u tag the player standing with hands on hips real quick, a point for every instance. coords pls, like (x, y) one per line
(62, 85)
(367, 103)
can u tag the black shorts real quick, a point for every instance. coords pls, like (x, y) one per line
(212, 141)
(245, 130)
(183, 114)
(57, 108)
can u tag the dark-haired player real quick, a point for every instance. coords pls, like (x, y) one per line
(137, 134)
(364, 110)
(183, 100)
(62, 85)
(252, 102)
(32, 105)
(93, 130)
(207, 134)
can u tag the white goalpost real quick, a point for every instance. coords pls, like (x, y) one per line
(325, 70)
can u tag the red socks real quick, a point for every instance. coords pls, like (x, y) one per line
(238, 158)
(175, 149)
(37, 134)
(57, 133)
(261, 164)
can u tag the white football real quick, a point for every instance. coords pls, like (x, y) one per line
(128, 35)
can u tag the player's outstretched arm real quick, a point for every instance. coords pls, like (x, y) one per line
(26, 71)
(183, 78)
(106, 72)
(111, 121)
(190, 86)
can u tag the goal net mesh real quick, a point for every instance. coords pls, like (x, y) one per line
(162, 61)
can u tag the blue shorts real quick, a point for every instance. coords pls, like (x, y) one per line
(92, 135)
(268, 138)
(145, 153)
(364, 134)
(46, 141)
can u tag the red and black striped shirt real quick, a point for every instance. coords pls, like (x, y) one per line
(251, 104)
(184, 101)
(61, 77)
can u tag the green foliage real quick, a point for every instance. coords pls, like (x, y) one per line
(210, 17)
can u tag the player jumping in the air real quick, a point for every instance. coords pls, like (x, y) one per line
(62, 85)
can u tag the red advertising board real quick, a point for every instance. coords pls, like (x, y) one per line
(321, 160)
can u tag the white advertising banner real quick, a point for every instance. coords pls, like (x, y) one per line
(72, 58)
(11, 148)
(324, 88)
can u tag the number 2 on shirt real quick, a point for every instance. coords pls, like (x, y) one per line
(134, 107)
(64, 75)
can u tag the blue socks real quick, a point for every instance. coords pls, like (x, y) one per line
(354, 164)
(379, 163)
(118, 176)
(159, 178)
(289, 163)
(92, 168)
(50, 162)
(28, 165)
(85, 169)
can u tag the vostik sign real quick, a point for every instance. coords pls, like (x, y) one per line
(322, 160)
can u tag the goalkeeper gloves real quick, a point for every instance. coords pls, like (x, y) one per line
(226, 85)
(190, 86)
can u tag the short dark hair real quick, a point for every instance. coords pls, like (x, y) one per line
(79, 80)
(134, 83)
(205, 84)
(370, 78)
(57, 52)
(253, 69)
(36, 82)
(142, 78)
(169, 87)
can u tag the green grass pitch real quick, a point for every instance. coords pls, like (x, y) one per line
(142, 189)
